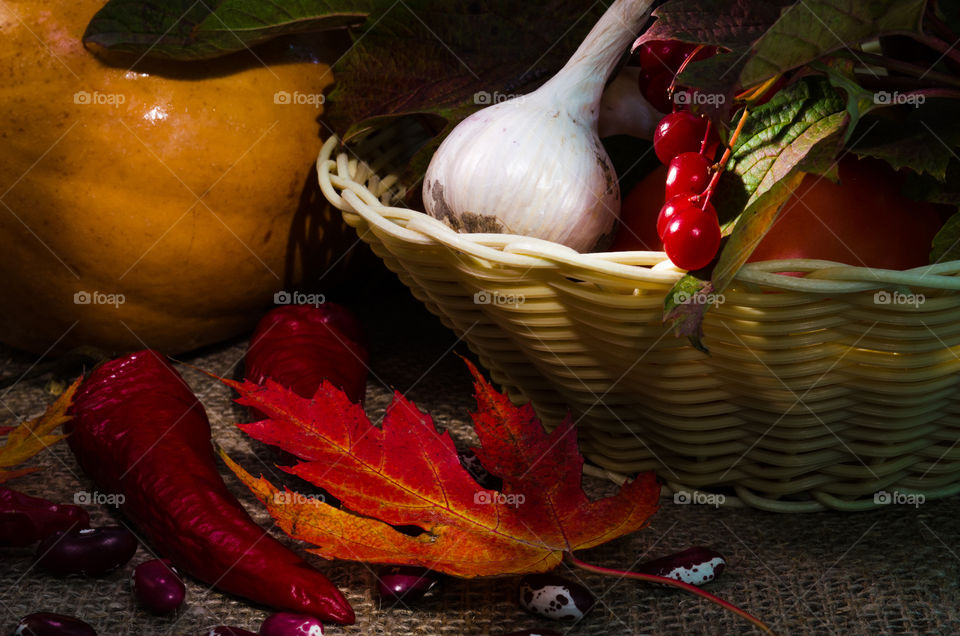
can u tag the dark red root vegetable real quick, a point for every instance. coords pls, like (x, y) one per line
(89, 552)
(158, 587)
(139, 430)
(300, 346)
(25, 519)
(48, 624)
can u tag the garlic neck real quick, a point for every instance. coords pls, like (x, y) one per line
(579, 84)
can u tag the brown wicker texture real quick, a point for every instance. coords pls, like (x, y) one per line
(831, 390)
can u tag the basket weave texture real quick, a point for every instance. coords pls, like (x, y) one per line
(833, 390)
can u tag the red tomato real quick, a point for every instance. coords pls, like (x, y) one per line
(863, 221)
(638, 215)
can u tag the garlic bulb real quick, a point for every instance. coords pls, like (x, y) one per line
(534, 165)
(624, 110)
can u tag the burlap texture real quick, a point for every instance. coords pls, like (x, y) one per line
(891, 571)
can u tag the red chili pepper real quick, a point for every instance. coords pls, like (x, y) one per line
(139, 430)
(300, 346)
(25, 519)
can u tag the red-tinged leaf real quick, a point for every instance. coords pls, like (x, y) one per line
(408, 473)
(31, 437)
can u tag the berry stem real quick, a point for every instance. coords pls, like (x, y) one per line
(686, 60)
(706, 138)
(693, 589)
(726, 156)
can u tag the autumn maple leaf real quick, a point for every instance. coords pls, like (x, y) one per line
(407, 473)
(31, 437)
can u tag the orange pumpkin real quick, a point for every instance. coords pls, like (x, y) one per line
(159, 206)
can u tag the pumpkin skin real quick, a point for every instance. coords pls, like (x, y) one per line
(183, 187)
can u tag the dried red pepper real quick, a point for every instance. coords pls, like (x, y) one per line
(300, 346)
(25, 519)
(139, 430)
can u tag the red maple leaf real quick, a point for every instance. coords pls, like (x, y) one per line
(407, 473)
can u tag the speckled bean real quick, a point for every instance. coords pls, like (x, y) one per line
(551, 596)
(697, 566)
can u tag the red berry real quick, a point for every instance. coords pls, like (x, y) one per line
(654, 88)
(692, 236)
(669, 209)
(658, 56)
(678, 133)
(688, 172)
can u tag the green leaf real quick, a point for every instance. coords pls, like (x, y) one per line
(802, 123)
(731, 24)
(946, 244)
(190, 30)
(685, 306)
(923, 138)
(860, 101)
(812, 28)
(927, 188)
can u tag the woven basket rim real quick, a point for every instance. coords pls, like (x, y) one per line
(511, 250)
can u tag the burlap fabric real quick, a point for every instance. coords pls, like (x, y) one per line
(891, 571)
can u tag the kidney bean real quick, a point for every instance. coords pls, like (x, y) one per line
(158, 586)
(223, 630)
(289, 624)
(90, 552)
(697, 566)
(406, 583)
(25, 519)
(554, 597)
(48, 624)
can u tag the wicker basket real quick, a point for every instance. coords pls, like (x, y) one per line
(836, 390)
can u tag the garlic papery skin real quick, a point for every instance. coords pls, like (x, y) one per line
(534, 165)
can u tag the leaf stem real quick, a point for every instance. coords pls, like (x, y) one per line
(693, 589)
(906, 68)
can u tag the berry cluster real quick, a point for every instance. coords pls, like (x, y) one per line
(687, 145)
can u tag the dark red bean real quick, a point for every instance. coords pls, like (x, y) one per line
(223, 630)
(89, 552)
(158, 587)
(551, 596)
(289, 624)
(25, 519)
(47, 624)
(405, 583)
(697, 566)
(470, 462)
